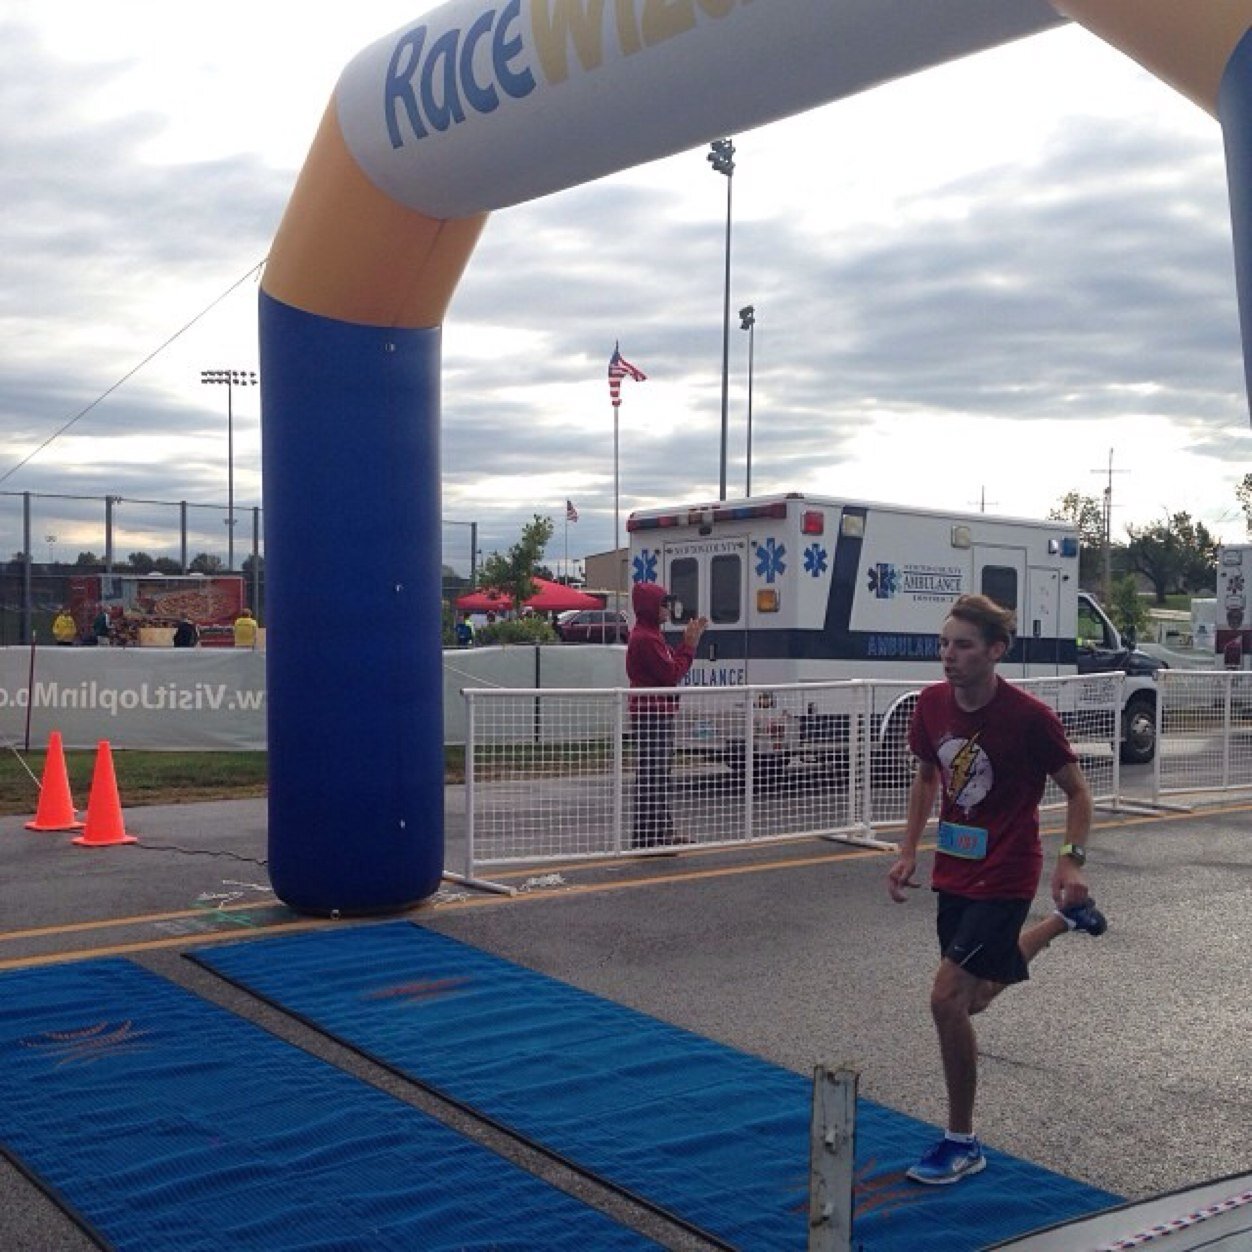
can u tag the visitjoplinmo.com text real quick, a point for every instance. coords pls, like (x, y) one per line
(91, 695)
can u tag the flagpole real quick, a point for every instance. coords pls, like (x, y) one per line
(617, 529)
(567, 543)
(619, 368)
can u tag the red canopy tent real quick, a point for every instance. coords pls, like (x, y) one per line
(553, 597)
(485, 601)
(549, 597)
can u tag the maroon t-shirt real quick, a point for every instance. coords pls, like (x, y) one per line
(993, 765)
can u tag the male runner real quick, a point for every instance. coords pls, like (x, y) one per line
(992, 748)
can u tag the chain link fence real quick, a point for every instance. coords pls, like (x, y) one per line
(47, 539)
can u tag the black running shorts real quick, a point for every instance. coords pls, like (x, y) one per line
(981, 936)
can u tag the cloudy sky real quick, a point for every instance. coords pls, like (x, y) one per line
(970, 287)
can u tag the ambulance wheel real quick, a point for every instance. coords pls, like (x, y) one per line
(1139, 720)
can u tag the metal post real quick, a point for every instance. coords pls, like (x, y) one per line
(256, 562)
(617, 542)
(747, 321)
(230, 479)
(182, 533)
(109, 502)
(832, 1152)
(471, 788)
(730, 180)
(722, 159)
(749, 766)
(619, 768)
(28, 594)
(230, 379)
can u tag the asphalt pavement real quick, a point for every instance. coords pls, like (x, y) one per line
(1123, 1062)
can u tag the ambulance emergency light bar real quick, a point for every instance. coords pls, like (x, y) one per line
(708, 515)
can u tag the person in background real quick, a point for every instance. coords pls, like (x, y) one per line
(651, 662)
(465, 632)
(101, 628)
(986, 749)
(185, 634)
(63, 629)
(245, 629)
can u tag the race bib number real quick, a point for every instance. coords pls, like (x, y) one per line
(967, 842)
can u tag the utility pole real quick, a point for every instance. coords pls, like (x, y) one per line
(1106, 581)
(983, 501)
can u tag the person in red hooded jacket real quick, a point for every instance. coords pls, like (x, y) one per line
(651, 662)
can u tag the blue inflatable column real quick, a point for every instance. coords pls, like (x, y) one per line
(350, 450)
(1234, 108)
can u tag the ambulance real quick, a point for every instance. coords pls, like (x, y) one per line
(801, 588)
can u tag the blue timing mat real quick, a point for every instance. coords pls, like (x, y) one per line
(713, 1135)
(163, 1123)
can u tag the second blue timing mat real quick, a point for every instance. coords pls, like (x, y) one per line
(713, 1135)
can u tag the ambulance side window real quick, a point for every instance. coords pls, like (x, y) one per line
(999, 582)
(725, 589)
(684, 582)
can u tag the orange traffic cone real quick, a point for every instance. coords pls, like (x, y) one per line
(56, 806)
(104, 809)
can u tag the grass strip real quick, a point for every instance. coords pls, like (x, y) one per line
(155, 777)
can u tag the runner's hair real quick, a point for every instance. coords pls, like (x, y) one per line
(995, 623)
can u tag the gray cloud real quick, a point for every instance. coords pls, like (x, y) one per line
(1092, 280)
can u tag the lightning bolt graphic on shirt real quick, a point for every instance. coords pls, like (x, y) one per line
(962, 767)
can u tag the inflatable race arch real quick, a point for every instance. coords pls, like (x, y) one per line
(475, 106)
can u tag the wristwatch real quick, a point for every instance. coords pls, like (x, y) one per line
(1076, 853)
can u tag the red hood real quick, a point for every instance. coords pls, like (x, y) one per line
(645, 599)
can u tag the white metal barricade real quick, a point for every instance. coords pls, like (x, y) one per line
(1203, 732)
(575, 774)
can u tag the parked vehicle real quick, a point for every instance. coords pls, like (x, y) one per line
(800, 588)
(593, 626)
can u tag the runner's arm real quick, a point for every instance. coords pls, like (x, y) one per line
(922, 792)
(1068, 884)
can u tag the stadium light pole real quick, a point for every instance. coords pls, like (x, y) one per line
(747, 321)
(230, 379)
(722, 159)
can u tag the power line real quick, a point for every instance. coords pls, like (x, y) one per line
(26, 460)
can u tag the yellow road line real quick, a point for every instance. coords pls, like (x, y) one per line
(149, 945)
(651, 880)
(140, 919)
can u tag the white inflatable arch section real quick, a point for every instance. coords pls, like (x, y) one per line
(475, 106)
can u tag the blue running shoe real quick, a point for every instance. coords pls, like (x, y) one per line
(948, 1161)
(1085, 917)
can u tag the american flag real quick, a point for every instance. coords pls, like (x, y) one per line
(571, 513)
(619, 368)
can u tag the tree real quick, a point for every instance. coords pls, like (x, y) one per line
(1086, 515)
(166, 565)
(1174, 554)
(88, 560)
(203, 563)
(514, 572)
(1126, 607)
(251, 563)
(1243, 493)
(141, 563)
